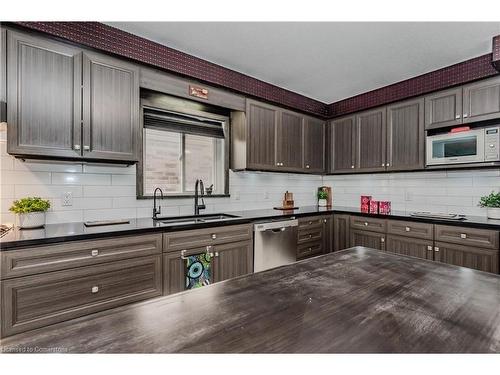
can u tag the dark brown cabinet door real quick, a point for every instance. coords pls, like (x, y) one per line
(232, 260)
(342, 145)
(371, 140)
(44, 93)
(367, 239)
(405, 136)
(261, 136)
(341, 234)
(467, 256)
(481, 100)
(443, 109)
(289, 141)
(110, 108)
(409, 246)
(327, 234)
(314, 145)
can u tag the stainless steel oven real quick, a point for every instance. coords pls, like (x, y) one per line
(471, 146)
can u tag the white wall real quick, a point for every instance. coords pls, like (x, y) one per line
(107, 192)
(440, 191)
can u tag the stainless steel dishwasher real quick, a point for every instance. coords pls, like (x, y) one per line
(275, 244)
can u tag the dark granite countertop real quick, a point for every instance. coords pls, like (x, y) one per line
(54, 233)
(357, 300)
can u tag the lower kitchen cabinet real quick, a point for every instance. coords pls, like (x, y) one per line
(35, 301)
(467, 256)
(368, 239)
(315, 236)
(341, 235)
(409, 246)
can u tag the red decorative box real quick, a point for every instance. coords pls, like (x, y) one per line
(365, 203)
(374, 207)
(384, 207)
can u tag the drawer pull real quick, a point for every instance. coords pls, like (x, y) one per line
(382, 240)
(324, 220)
(463, 235)
(310, 236)
(310, 249)
(310, 223)
(95, 289)
(94, 253)
(214, 236)
(407, 229)
(429, 248)
(436, 249)
(366, 224)
(216, 254)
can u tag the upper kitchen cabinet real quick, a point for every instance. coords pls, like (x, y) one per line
(67, 103)
(269, 138)
(261, 135)
(405, 135)
(314, 145)
(370, 140)
(289, 137)
(342, 142)
(43, 96)
(443, 109)
(110, 108)
(481, 100)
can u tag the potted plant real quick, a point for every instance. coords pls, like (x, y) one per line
(322, 197)
(31, 211)
(492, 204)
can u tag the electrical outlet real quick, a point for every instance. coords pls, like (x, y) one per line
(67, 199)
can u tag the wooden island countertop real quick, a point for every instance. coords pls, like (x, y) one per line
(357, 300)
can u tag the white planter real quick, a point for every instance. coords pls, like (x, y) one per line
(493, 213)
(322, 202)
(31, 220)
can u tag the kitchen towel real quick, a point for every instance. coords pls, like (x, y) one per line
(198, 270)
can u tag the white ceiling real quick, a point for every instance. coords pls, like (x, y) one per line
(326, 61)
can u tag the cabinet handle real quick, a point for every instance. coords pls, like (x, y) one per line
(352, 166)
(382, 240)
(324, 220)
(307, 166)
(366, 224)
(407, 229)
(457, 117)
(76, 147)
(94, 253)
(216, 254)
(463, 235)
(436, 249)
(94, 289)
(310, 236)
(429, 247)
(214, 236)
(86, 148)
(465, 115)
(387, 165)
(383, 164)
(310, 222)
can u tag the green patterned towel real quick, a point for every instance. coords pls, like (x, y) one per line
(198, 270)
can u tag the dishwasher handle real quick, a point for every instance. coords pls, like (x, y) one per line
(276, 230)
(275, 226)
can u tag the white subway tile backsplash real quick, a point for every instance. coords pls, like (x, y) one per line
(80, 179)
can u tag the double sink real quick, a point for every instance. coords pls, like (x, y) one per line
(195, 219)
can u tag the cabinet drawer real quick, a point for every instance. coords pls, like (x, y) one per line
(313, 233)
(309, 249)
(369, 223)
(414, 247)
(467, 256)
(35, 301)
(207, 236)
(40, 259)
(485, 238)
(307, 222)
(410, 229)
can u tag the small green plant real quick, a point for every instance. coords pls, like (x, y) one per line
(322, 194)
(30, 204)
(492, 200)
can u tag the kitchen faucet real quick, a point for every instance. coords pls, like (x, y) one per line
(197, 206)
(156, 211)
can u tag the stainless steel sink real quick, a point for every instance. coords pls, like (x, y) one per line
(195, 219)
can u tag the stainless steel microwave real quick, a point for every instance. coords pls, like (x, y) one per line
(471, 146)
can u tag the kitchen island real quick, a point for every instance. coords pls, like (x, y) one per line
(358, 300)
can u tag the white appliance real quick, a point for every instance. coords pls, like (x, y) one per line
(471, 146)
